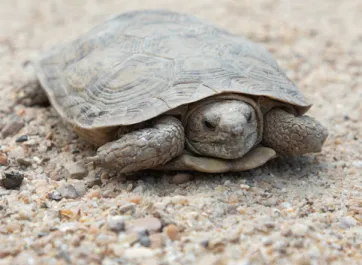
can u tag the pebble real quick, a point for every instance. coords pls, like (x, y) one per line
(244, 187)
(348, 222)
(314, 252)
(157, 240)
(13, 227)
(118, 249)
(300, 229)
(138, 253)
(116, 223)
(11, 179)
(128, 208)
(181, 178)
(172, 232)
(138, 189)
(68, 191)
(3, 159)
(76, 170)
(23, 161)
(26, 257)
(94, 194)
(80, 187)
(17, 152)
(209, 259)
(12, 127)
(55, 195)
(270, 202)
(135, 199)
(145, 241)
(150, 224)
(129, 239)
(21, 139)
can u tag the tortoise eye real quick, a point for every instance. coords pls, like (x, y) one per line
(209, 125)
(248, 117)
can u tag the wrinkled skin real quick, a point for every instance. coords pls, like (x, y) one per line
(225, 129)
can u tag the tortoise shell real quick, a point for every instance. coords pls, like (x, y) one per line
(138, 65)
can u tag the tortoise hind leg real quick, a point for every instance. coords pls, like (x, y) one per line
(30, 93)
(291, 135)
(144, 148)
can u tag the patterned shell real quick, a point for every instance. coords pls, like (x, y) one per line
(138, 65)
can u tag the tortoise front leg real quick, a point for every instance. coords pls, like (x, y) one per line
(291, 135)
(144, 148)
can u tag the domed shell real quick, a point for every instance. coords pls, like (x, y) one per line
(138, 65)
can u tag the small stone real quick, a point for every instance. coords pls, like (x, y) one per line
(116, 223)
(21, 139)
(348, 222)
(127, 208)
(145, 241)
(68, 213)
(129, 187)
(3, 159)
(12, 127)
(55, 195)
(244, 187)
(217, 245)
(314, 252)
(17, 152)
(209, 259)
(80, 187)
(118, 249)
(11, 179)
(280, 246)
(181, 178)
(267, 241)
(68, 227)
(138, 189)
(150, 224)
(300, 229)
(172, 232)
(129, 239)
(135, 199)
(77, 170)
(13, 227)
(270, 202)
(23, 161)
(94, 194)
(157, 240)
(26, 257)
(68, 191)
(104, 239)
(138, 253)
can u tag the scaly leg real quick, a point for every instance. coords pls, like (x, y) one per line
(144, 148)
(290, 135)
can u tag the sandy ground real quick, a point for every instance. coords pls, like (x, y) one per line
(305, 210)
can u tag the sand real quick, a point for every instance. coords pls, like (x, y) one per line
(305, 210)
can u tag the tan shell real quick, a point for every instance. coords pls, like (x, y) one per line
(141, 64)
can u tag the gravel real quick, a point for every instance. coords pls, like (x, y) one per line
(302, 210)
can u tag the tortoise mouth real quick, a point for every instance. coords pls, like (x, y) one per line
(231, 149)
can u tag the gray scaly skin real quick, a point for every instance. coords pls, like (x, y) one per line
(144, 148)
(291, 136)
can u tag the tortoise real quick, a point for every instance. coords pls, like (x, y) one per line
(156, 89)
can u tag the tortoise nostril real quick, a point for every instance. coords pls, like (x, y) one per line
(237, 131)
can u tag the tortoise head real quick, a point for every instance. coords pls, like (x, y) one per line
(225, 128)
